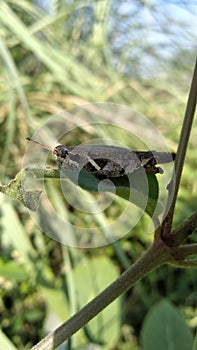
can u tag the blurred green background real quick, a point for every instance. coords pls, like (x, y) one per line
(57, 55)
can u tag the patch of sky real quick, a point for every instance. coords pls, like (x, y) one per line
(141, 33)
(151, 32)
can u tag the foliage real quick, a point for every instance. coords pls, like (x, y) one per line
(167, 329)
(73, 54)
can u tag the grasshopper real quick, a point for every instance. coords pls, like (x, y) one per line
(108, 161)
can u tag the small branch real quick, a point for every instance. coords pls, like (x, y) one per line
(157, 254)
(181, 152)
(180, 234)
(187, 250)
(183, 263)
(179, 256)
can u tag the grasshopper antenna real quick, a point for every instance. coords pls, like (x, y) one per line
(40, 144)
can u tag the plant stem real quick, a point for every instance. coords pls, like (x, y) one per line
(185, 229)
(187, 250)
(156, 255)
(181, 152)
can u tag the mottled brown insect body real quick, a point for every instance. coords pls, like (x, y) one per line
(109, 161)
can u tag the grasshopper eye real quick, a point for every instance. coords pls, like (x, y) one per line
(61, 151)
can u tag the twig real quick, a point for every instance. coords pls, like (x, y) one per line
(181, 152)
(184, 230)
(187, 250)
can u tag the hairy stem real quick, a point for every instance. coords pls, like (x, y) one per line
(180, 234)
(181, 152)
(187, 250)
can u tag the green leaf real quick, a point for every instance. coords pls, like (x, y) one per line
(5, 342)
(15, 233)
(164, 328)
(16, 190)
(12, 271)
(56, 302)
(134, 187)
(91, 277)
(140, 189)
(195, 343)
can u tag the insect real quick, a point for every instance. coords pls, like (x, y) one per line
(108, 161)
